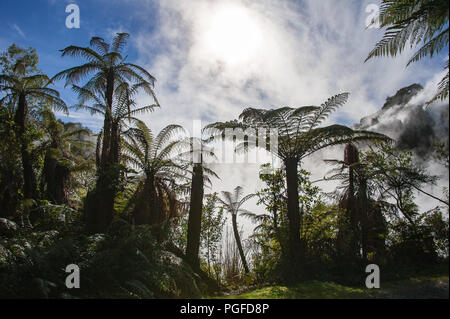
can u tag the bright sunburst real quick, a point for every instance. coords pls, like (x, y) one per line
(232, 35)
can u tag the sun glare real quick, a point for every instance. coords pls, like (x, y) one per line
(233, 35)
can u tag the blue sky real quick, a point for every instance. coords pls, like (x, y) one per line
(41, 24)
(166, 29)
(213, 58)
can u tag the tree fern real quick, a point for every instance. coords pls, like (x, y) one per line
(419, 22)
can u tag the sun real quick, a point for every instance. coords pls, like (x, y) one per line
(232, 35)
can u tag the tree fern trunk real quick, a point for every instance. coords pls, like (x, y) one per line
(239, 244)
(195, 216)
(100, 206)
(153, 213)
(107, 123)
(29, 178)
(144, 202)
(294, 251)
(364, 211)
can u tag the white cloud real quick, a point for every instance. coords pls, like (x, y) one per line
(310, 50)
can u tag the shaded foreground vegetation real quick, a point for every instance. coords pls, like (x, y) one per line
(131, 207)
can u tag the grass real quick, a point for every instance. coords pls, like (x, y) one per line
(419, 287)
(312, 289)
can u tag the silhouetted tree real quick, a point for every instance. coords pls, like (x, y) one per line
(110, 73)
(200, 175)
(25, 92)
(155, 198)
(232, 203)
(298, 137)
(61, 159)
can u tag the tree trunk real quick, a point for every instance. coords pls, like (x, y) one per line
(107, 123)
(355, 204)
(56, 178)
(115, 143)
(364, 212)
(112, 178)
(153, 213)
(294, 251)
(29, 178)
(98, 209)
(353, 212)
(142, 210)
(195, 216)
(100, 203)
(239, 244)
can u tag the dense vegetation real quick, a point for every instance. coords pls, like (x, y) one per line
(130, 207)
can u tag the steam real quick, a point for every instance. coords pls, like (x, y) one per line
(414, 127)
(405, 119)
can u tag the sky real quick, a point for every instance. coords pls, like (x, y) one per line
(214, 58)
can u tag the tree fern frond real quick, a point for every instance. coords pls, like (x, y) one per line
(327, 107)
(431, 47)
(443, 89)
(100, 45)
(119, 41)
(86, 53)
